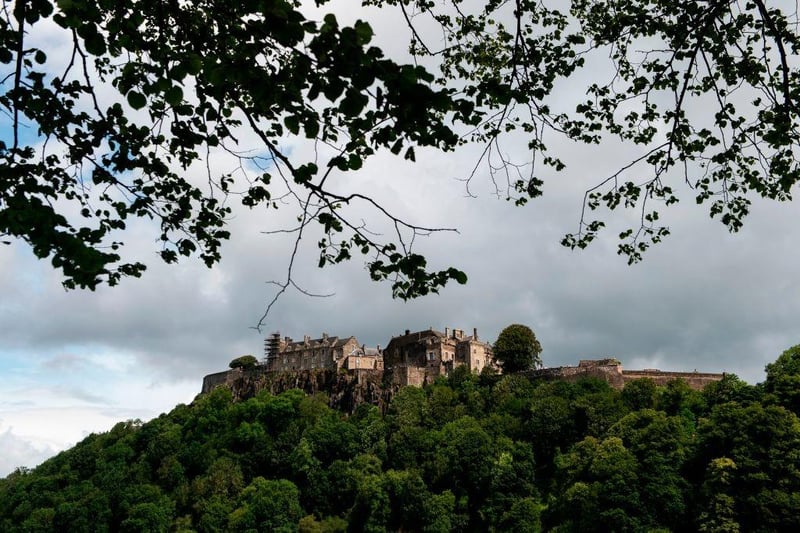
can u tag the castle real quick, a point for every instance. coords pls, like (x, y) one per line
(417, 358)
(325, 353)
(422, 356)
(409, 359)
(352, 373)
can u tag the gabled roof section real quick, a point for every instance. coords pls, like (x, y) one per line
(341, 342)
(415, 337)
(324, 342)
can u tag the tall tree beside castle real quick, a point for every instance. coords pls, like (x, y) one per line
(783, 380)
(517, 349)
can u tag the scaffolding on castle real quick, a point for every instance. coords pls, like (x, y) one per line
(272, 348)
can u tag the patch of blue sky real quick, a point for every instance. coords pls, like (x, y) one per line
(263, 161)
(29, 135)
(65, 378)
(15, 363)
(70, 362)
(27, 132)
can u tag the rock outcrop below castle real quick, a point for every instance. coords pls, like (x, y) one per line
(347, 389)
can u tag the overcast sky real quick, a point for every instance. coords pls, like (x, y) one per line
(77, 362)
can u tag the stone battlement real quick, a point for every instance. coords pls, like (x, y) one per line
(611, 371)
(695, 380)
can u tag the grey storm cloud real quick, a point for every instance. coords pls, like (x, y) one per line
(703, 299)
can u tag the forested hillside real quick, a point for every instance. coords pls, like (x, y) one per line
(469, 453)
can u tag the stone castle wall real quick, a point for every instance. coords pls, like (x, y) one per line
(410, 375)
(695, 380)
(609, 373)
(212, 381)
(612, 372)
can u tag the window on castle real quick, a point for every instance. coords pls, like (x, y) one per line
(431, 356)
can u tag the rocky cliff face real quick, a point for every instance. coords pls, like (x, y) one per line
(346, 390)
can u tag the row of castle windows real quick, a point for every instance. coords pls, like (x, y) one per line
(432, 355)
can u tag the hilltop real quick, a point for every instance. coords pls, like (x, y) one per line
(351, 373)
(466, 452)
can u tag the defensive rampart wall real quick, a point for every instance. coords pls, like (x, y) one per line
(212, 381)
(695, 380)
(611, 371)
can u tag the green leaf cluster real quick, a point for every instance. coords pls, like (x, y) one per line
(704, 93)
(154, 90)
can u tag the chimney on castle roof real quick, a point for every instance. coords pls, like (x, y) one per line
(306, 338)
(379, 348)
(475, 333)
(446, 332)
(324, 336)
(408, 332)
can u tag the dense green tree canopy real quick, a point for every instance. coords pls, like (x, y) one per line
(466, 453)
(106, 119)
(783, 379)
(517, 349)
